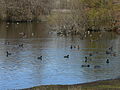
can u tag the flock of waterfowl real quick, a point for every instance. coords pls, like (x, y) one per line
(86, 58)
(9, 53)
(109, 51)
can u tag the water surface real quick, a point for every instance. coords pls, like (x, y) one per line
(22, 69)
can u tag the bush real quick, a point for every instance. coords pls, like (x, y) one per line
(23, 10)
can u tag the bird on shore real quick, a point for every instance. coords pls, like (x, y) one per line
(67, 56)
(40, 57)
(7, 53)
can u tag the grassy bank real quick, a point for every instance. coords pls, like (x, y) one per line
(100, 85)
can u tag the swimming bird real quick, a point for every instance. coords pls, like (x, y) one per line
(90, 54)
(85, 65)
(21, 45)
(108, 52)
(40, 58)
(97, 66)
(71, 47)
(7, 53)
(7, 43)
(107, 61)
(66, 56)
(86, 59)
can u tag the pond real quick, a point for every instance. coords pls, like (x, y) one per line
(22, 68)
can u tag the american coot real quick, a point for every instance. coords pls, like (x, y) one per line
(108, 52)
(66, 56)
(107, 61)
(21, 45)
(7, 53)
(40, 58)
(7, 43)
(71, 47)
(97, 66)
(85, 65)
(86, 59)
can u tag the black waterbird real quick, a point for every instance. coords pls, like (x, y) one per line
(86, 59)
(40, 58)
(85, 65)
(21, 45)
(107, 61)
(7, 53)
(71, 47)
(66, 56)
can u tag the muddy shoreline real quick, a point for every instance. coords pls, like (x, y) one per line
(112, 84)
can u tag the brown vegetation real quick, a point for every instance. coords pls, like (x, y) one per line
(94, 15)
(23, 10)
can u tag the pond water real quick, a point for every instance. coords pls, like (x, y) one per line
(23, 69)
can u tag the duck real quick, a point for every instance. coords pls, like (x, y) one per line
(7, 43)
(97, 66)
(86, 59)
(85, 65)
(66, 56)
(71, 47)
(107, 52)
(7, 53)
(90, 54)
(107, 61)
(40, 58)
(21, 45)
